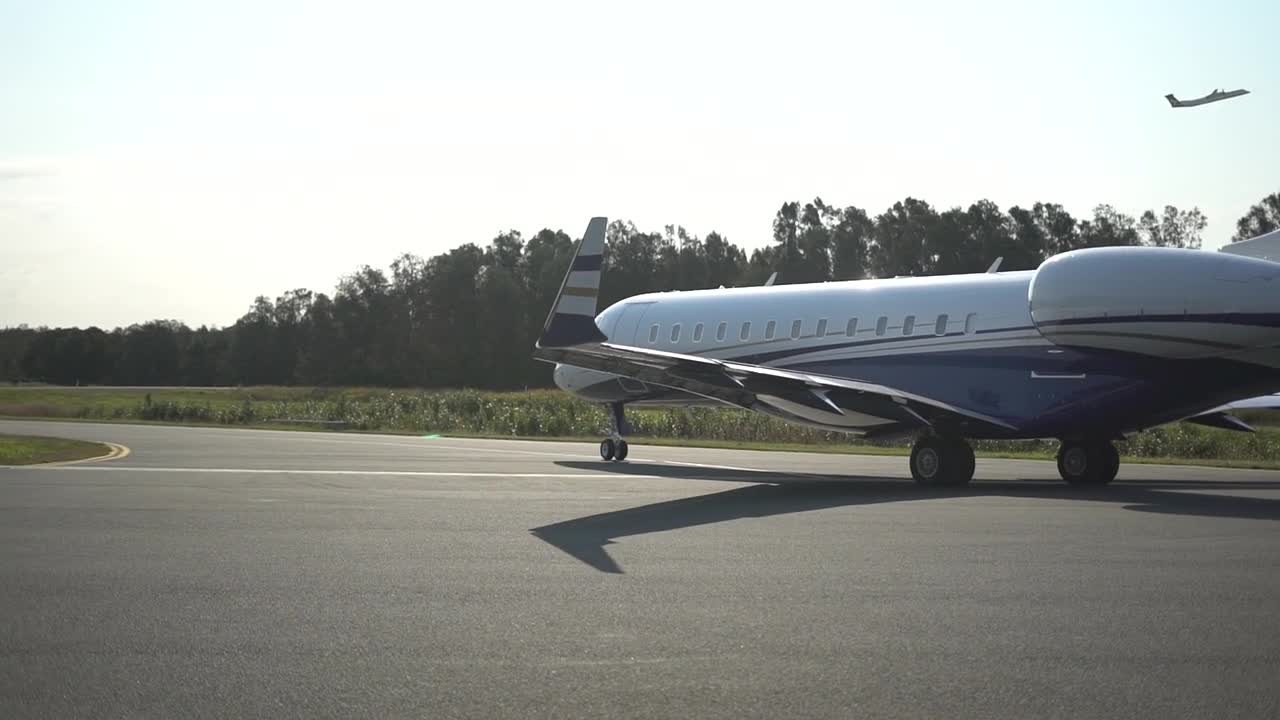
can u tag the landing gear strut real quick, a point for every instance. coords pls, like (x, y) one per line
(614, 447)
(940, 461)
(1088, 462)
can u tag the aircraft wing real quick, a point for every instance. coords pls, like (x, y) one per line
(1221, 417)
(1262, 402)
(570, 336)
(802, 396)
(1265, 247)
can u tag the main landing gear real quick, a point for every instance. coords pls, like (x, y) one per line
(1088, 462)
(941, 461)
(614, 447)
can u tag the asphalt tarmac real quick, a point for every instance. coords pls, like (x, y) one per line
(241, 573)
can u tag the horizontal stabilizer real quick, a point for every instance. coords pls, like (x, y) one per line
(572, 320)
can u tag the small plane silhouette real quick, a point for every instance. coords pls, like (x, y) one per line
(1214, 96)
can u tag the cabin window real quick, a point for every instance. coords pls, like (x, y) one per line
(796, 327)
(746, 331)
(675, 333)
(851, 327)
(821, 331)
(769, 329)
(721, 330)
(653, 333)
(970, 323)
(940, 327)
(881, 325)
(908, 324)
(697, 333)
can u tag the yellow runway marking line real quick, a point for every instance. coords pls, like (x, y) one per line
(114, 452)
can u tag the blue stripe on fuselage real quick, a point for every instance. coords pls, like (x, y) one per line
(1259, 319)
(1119, 392)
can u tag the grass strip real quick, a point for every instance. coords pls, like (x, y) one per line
(30, 449)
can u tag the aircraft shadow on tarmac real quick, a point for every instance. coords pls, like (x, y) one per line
(585, 538)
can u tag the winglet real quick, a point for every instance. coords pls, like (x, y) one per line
(572, 320)
(1173, 101)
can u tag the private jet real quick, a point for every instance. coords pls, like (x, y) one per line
(1214, 96)
(1092, 346)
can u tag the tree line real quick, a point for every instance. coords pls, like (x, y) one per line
(469, 317)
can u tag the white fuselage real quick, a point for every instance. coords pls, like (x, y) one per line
(1087, 328)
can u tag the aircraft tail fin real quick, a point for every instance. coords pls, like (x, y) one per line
(572, 320)
(1173, 101)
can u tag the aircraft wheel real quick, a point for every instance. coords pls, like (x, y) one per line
(939, 462)
(607, 449)
(1111, 457)
(1088, 463)
(621, 453)
(964, 462)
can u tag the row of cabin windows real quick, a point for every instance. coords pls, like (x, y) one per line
(797, 327)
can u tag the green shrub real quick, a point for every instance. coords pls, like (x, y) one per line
(551, 413)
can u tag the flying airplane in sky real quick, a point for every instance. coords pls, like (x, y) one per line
(1214, 96)
(1092, 346)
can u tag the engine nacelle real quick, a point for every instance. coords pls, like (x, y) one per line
(1157, 301)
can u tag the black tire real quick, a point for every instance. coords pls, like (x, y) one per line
(621, 453)
(964, 462)
(937, 463)
(1110, 464)
(927, 461)
(1088, 463)
(606, 449)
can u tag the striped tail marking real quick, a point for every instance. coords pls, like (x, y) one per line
(573, 317)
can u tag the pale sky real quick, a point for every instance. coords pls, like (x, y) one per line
(175, 159)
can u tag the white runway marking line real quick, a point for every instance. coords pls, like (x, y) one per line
(433, 444)
(384, 473)
(719, 467)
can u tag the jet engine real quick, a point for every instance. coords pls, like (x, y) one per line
(1167, 302)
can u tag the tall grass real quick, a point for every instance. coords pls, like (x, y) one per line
(547, 413)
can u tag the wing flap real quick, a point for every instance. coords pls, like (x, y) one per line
(1222, 420)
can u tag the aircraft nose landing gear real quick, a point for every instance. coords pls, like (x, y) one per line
(611, 449)
(941, 462)
(614, 447)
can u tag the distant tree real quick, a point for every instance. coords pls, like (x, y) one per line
(1174, 228)
(203, 358)
(362, 311)
(851, 232)
(631, 264)
(1059, 229)
(900, 244)
(1109, 227)
(725, 261)
(253, 360)
(150, 353)
(453, 296)
(322, 346)
(1260, 220)
(763, 263)
(13, 347)
(812, 259)
(501, 334)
